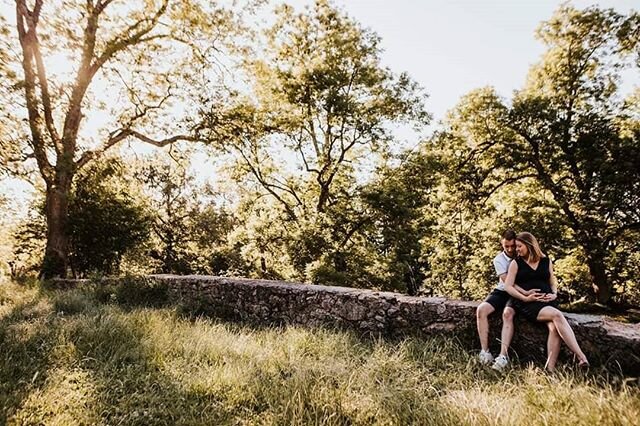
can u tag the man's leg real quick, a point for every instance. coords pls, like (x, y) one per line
(482, 320)
(507, 330)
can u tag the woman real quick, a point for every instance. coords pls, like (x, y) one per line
(532, 270)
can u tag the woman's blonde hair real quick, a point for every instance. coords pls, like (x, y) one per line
(535, 253)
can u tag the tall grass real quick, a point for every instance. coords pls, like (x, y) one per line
(68, 359)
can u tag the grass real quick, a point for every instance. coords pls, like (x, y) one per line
(66, 358)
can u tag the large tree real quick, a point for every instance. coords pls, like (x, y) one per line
(95, 73)
(318, 118)
(569, 129)
(322, 101)
(398, 217)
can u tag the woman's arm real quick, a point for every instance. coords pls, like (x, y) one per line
(510, 281)
(526, 292)
(513, 290)
(553, 281)
(503, 278)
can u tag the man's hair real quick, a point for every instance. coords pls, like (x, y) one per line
(509, 235)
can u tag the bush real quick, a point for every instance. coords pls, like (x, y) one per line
(106, 220)
(133, 291)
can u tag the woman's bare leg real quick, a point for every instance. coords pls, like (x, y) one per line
(549, 313)
(553, 347)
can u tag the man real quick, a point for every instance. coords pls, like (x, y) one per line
(498, 301)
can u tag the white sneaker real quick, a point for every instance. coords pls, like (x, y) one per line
(485, 357)
(501, 363)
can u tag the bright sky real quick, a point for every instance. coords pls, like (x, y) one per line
(451, 47)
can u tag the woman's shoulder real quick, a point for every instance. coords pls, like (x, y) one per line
(513, 269)
(516, 264)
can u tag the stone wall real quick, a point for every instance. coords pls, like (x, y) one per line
(606, 342)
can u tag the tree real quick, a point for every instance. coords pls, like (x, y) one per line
(109, 52)
(568, 130)
(107, 220)
(399, 216)
(5, 234)
(322, 96)
(318, 117)
(28, 238)
(8, 147)
(188, 228)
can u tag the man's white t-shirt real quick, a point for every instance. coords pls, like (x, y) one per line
(501, 264)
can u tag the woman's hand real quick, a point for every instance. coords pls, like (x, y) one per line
(550, 297)
(532, 291)
(534, 296)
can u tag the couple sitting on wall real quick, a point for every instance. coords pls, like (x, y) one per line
(527, 287)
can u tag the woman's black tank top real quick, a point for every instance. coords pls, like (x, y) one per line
(529, 278)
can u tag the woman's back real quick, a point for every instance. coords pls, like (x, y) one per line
(529, 278)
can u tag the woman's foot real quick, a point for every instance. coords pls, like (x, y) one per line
(549, 367)
(584, 364)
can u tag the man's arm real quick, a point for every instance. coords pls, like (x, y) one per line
(553, 282)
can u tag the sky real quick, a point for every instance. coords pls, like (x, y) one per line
(451, 47)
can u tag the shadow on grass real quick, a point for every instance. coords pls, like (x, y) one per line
(27, 338)
(127, 385)
(134, 389)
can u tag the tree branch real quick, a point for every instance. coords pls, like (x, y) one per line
(121, 42)
(267, 186)
(46, 98)
(505, 182)
(634, 226)
(558, 192)
(27, 39)
(122, 134)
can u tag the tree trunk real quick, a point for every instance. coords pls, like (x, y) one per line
(56, 257)
(601, 285)
(595, 251)
(322, 199)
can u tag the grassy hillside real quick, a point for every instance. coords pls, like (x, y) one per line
(67, 359)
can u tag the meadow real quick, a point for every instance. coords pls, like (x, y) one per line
(89, 358)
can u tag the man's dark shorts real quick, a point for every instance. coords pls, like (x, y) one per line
(498, 299)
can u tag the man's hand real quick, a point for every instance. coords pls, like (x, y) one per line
(530, 292)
